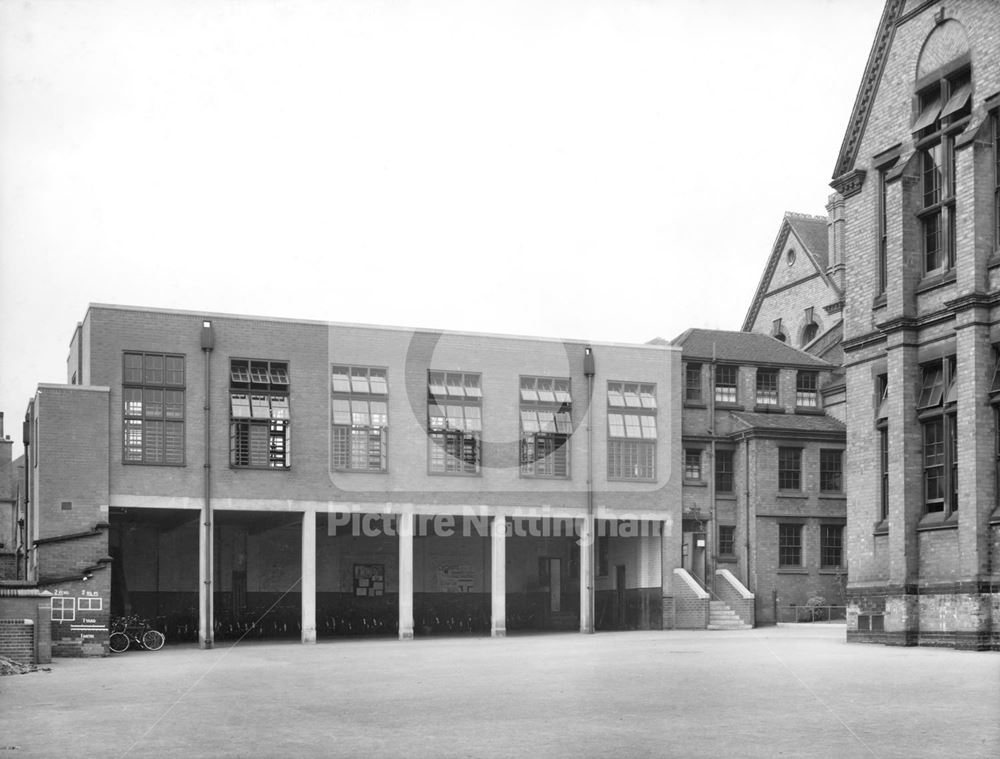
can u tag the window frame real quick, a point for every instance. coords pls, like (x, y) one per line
(265, 385)
(693, 468)
(767, 387)
(807, 389)
(139, 420)
(454, 449)
(632, 432)
(545, 453)
(790, 539)
(831, 543)
(729, 540)
(358, 442)
(937, 414)
(729, 386)
(693, 390)
(788, 474)
(831, 470)
(725, 475)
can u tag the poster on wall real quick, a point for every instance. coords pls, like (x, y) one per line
(369, 580)
(455, 578)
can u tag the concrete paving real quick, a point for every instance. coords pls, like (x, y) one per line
(792, 690)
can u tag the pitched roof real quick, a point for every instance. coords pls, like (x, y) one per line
(811, 423)
(744, 348)
(811, 233)
(869, 85)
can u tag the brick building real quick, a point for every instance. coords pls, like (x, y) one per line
(210, 471)
(763, 470)
(917, 210)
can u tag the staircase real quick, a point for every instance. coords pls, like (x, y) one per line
(721, 617)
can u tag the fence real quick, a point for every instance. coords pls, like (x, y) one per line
(795, 613)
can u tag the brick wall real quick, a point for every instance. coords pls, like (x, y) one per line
(17, 640)
(733, 593)
(690, 602)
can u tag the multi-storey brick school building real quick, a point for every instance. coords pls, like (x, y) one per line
(917, 211)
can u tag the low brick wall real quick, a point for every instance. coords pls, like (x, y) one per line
(17, 640)
(735, 595)
(691, 603)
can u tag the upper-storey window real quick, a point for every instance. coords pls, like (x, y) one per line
(767, 387)
(996, 179)
(936, 408)
(153, 408)
(725, 383)
(692, 382)
(806, 389)
(546, 424)
(259, 414)
(360, 424)
(883, 231)
(631, 431)
(454, 422)
(944, 105)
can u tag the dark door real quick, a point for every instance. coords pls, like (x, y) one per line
(620, 597)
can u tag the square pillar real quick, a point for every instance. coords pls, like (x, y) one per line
(498, 585)
(586, 575)
(405, 533)
(308, 583)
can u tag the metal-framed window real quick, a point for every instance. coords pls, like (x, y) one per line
(883, 231)
(259, 414)
(727, 540)
(806, 389)
(631, 431)
(831, 545)
(692, 464)
(546, 412)
(692, 382)
(767, 387)
(153, 408)
(789, 468)
(831, 471)
(944, 106)
(883, 435)
(723, 471)
(789, 545)
(936, 408)
(726, 377)
(454, 422)
(360, 418)
(996, 180)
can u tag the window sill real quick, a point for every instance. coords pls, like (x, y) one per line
(695, 484)
(695, 404)
(792, 571)
(768, 408)
(995, 516)
(143, 463)
(729, 406)
(831, 570)
(832, 495)
(340, 470)
(994, 260)
(526, 476)
(935, 280)
(636, 480)
(454, 474)
(809, 410)
(727, 559)
(879, 301)
(880, 528)
(792, 495)
(236, 468)
(938, 521)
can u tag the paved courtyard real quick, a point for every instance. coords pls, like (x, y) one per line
(795, 690)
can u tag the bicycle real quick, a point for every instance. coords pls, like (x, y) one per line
(126, 631)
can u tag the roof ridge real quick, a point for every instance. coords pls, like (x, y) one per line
(799, 215)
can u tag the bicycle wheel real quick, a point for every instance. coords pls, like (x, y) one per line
(118, 642)
(153, 640)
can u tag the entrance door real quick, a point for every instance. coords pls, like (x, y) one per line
(555, 585)
(693, 549)
(620, 621)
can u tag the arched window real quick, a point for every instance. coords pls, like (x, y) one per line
(809, 333)
(943, 99)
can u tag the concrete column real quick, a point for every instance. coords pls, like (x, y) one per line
(587, 575)
(206, 610)
(308, 583)
(405, 532)
(498, 586)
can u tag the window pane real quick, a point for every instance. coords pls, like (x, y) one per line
(259, 374)
(341, 380)
(153, 365)
(173, 442)
(616, 425)
(616, 395)
(438, 420)
(279, 407)
(132, 397)
(240, 405)
(152, 441)
(133, 368)
(379, 385)
(153, 402)
(359, 414)
(632, 426)
(473, 419)
(341, 411)
(562, 391)
(529, 421)
(435, 383)
(279, 374)
(380, 413)
(259, 407)
(175, 370)
(456, 388)
(547, 421)
(545, 392)
(648, 427)
(359, 380)
(528, 392)
(647, 394)
(472, 388)
(239, 371)
(564, 422)
(173, 405)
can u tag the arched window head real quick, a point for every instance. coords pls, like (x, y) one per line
(809, 333)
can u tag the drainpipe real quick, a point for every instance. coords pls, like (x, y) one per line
(710, 581)
(24, 521)
(206, 629)
(588, 371)
(746, 495)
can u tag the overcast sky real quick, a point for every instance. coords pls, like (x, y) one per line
(606, 170)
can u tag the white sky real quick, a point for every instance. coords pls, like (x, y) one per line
(608, 170)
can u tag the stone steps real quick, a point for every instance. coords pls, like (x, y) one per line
(721, 617)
